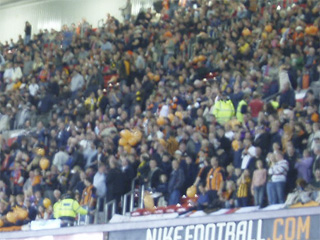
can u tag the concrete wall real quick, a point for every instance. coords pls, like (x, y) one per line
(47, 14)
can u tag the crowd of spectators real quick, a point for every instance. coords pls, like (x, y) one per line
(190, 80)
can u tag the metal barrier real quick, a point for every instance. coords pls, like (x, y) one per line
(107, 206)
(83, 219)
(141, 203)
(131, 195)
(267, 99)
(96, 219)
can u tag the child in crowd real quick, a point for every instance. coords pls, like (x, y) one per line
(163, 189)
(243, 183)
(258, 184)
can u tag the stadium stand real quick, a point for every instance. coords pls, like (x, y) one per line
(205, 105)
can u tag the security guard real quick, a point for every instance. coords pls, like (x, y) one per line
(67, 210)
(242, 108)
(223, 109)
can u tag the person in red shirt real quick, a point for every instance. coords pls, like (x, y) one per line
(256, 105)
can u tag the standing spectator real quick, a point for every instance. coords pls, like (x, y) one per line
(89, 197)
(163, 189)
(258, 185)
(114, 182)
(190, 172)
(278, 171)
(126, 11)
(60, 159)
(176, 183)
(77, 83)
(291, 156)
(27, 31)
(64, 178)
(99, 181)
(287, 97)
(153, 177)
(316, 163)
(128, 174)
(205, 167)
(223, 109)
(243, 183)
(215, 181)
(303, 166)
(256, 106)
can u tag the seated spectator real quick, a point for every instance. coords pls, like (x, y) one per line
(203, 200)
(302, 194)
(315, 183)
(228, 197)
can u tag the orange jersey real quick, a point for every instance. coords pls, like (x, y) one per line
(214, 179)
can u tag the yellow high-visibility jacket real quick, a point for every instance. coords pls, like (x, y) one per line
(68, 208)
(239, 114)
(223, 111)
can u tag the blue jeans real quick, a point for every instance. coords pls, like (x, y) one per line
(279, 188)
(242, 202)
(27, 39)
(271, 193)
(174, 197)
(259, 195)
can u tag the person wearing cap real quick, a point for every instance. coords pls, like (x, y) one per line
(67, 210)
(223, 109)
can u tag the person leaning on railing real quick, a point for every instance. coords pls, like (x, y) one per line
(67, 210)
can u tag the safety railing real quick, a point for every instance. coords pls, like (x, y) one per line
(97, 213)
(141, 197)
(109, 210)
(83, 219)
(131, 195)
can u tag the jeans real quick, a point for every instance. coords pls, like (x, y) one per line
(279, 188)
(27, 39)
(259, 195)
(174, 197)
(242, 202)
(271, 193)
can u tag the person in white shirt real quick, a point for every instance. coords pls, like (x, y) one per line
(248, 153)
(278, 171)
(7, 75)
(99, 182)
(60, 159)
(77, 82)
(17, 73)
(33, 87)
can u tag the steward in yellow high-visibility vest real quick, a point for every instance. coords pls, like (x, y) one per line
(242, 108)
(67, 209)
(223, 109)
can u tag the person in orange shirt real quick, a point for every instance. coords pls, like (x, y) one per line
(214, 180)
(88, 197)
